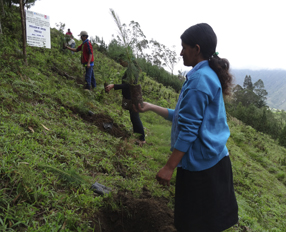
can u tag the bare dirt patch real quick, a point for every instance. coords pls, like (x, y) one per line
(105, 123)
(145, 214)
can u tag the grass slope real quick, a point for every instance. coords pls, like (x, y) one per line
(259, 169)
(52, 151)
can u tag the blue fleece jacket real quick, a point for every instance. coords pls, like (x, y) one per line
(199, 120)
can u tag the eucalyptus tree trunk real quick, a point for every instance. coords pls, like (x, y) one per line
(2, 15)
(2, 8)
(23, 30)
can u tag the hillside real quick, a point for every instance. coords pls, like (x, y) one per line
(54, 146)
(274, 82)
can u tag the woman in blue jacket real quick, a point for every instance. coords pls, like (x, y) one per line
(205, 199)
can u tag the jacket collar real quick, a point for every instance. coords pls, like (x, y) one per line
(85, 41)
(197, 67)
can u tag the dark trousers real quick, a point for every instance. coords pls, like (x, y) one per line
(137, 124)
(89, 77)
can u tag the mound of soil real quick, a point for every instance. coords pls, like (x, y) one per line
(105, 123)
(145, 214)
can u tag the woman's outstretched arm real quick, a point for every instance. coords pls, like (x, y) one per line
(151, 107)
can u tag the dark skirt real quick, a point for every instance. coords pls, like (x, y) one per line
(205, 200)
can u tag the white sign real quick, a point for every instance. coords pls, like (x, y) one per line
(38, 29)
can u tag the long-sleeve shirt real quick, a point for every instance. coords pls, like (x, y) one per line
(124, 86)
(199, 120)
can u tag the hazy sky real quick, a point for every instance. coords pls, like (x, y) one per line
(251, 33)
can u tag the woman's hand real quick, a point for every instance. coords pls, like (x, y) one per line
(140, 109)
(109, 87)
(164, 175)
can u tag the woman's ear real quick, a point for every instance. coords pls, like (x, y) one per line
(198, 48)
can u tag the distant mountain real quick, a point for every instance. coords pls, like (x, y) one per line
(274, 82)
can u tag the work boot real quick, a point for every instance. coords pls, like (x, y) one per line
(86, 87)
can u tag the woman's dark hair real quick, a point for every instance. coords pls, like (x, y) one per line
(203, 35)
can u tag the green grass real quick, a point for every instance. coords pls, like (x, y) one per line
(259, 184)
(50, 155)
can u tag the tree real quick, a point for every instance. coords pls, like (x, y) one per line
(238, 95)
(250, 107)
(131, 37)
(282, 137)
(2, 14)
(116, 51)
(170, 58)
(99, 44)
(139, 41)
(23, 4)
(8, 2)
(0, 28)
(23, 30)
(29, 3)
(247, 83)
(26, 3)
(243, 95)
(161, 55)
(261, 93)
(128, 40)
(250, 93)
(156, 53)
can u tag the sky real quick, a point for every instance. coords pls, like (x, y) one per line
(251, 33)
